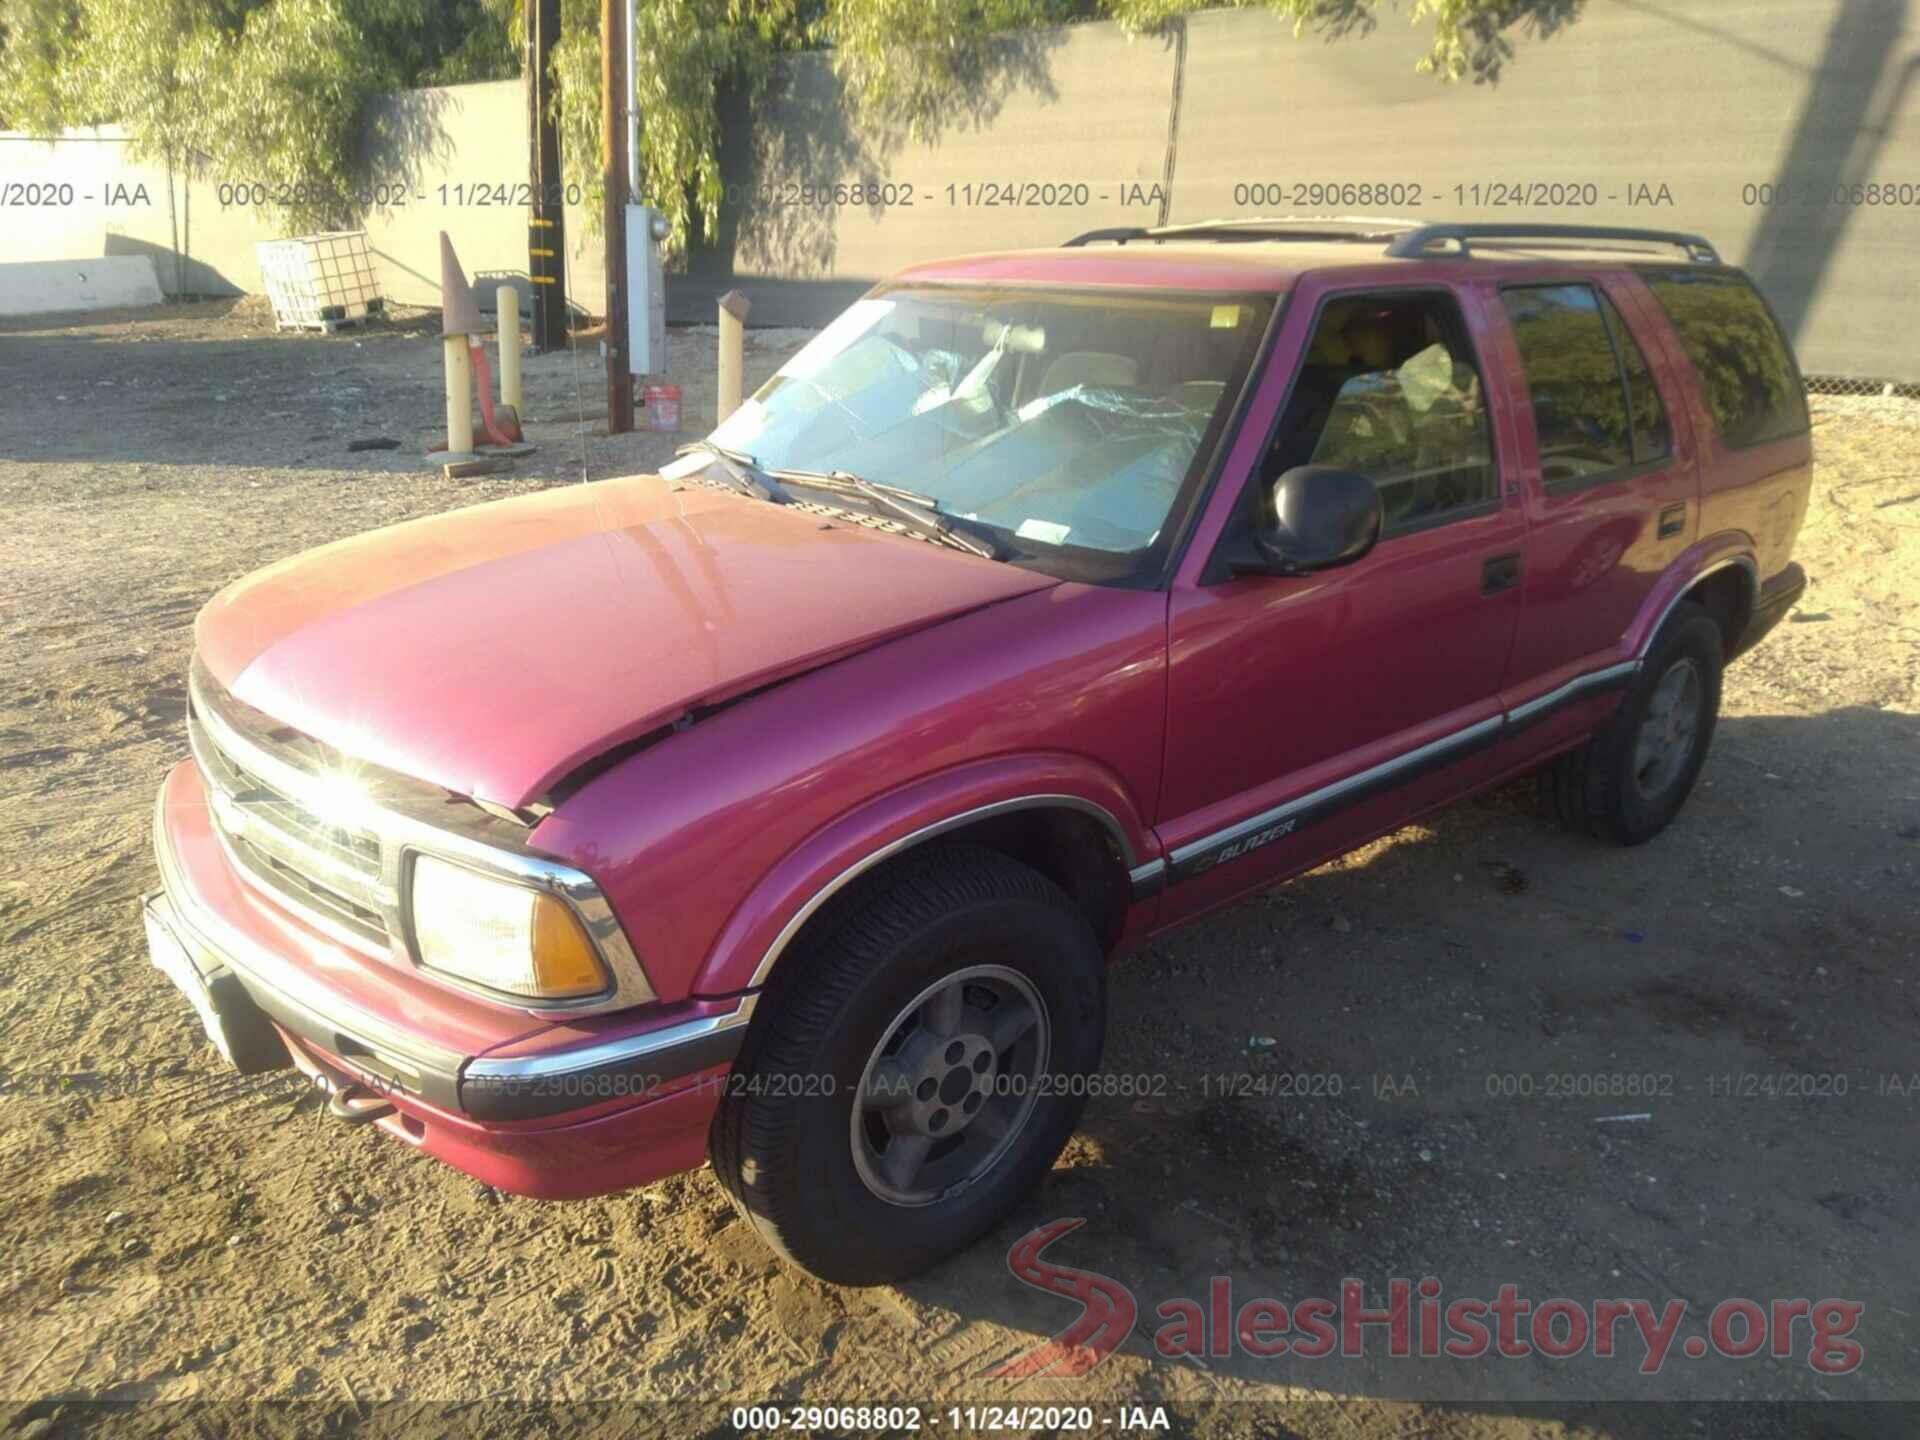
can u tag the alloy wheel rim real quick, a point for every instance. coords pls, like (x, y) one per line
(950, 1086)
(1669, 729)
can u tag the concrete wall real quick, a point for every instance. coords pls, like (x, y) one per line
(1654, 113)
(447, 154)
(45, 287)
(1702, 97)
(93, 200)
(1650, 112)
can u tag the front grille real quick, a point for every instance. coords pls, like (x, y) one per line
(319, 867)
(327, 839)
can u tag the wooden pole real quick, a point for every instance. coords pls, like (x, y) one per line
(614, 90)
(547, 224)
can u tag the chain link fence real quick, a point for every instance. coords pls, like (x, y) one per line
(1860, 385)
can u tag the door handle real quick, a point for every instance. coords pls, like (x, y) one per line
(1673, 520)
(1501, 572)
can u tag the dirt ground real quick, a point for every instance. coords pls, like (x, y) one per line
(1465, 995)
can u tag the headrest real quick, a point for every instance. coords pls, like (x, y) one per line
(1329, 347)
(1090, 367)
(1370, 342)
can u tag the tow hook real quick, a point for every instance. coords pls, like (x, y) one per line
(354, 1104)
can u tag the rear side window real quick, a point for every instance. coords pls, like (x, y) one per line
(1580, 409)
(1747, 375)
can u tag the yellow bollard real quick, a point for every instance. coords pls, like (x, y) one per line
(459, 395)
(507, 304)
(733, 347)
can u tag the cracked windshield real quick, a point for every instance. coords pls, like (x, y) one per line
(1062, 427)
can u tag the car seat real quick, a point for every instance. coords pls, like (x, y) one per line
(1370, 424)
(1328, 363)
(1095, 369)
(1201, 395)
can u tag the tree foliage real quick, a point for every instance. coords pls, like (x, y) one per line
(267, 91)
(905, 61)
(1467, 36)
(686, 53)
(277, 91)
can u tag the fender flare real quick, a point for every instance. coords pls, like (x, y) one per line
(1730, 548)
(765, 923)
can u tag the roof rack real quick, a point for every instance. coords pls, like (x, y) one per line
(1118, 234)
(1408, 239)
(1361, 228)
(1418, 241)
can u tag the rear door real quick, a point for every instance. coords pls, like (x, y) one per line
(1611, 482)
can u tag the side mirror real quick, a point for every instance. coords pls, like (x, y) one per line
(1322, 517)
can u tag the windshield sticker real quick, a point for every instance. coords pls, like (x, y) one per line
(1226, 317)
(856, 320)
(1046, 531)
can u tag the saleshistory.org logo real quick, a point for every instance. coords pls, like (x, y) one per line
(1414, 1322)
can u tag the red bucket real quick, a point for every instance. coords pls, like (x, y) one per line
(663, 407)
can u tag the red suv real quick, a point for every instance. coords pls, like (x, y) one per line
(784, 809)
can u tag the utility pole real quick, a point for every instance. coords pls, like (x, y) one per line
(616, 95)
(547, 225)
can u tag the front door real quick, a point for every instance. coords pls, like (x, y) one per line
(1307, 712)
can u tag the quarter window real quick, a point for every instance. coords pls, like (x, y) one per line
(1747, 374)
(1389, 388)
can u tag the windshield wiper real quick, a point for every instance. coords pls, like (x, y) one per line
(743, 472)
(847, 481)
(920, 512)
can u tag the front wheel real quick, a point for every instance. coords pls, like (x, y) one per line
(1630, 780)
(916, 1070)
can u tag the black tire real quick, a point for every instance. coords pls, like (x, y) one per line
(786, 1142)
(1607, 788)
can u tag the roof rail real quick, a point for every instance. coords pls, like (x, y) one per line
(1288, 227)
(1418, 241)
(1119, 234)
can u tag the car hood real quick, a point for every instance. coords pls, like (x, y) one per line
(492, 650)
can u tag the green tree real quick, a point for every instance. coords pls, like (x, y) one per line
(1467, 35)
(277, 90)
(269, 91)
(687, 54)
(36, 50)
(906, 61)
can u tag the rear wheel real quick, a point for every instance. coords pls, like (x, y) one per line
(1630, 780)
(916, 1069)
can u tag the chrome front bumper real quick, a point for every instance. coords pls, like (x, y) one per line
(405, 1063)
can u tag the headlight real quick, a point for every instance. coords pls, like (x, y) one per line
(506, 937)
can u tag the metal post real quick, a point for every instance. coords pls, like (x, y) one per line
(615, 90)
(733, 347)
(506, 302)
(459, 368)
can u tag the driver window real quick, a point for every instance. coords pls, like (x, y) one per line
(1389, 388)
